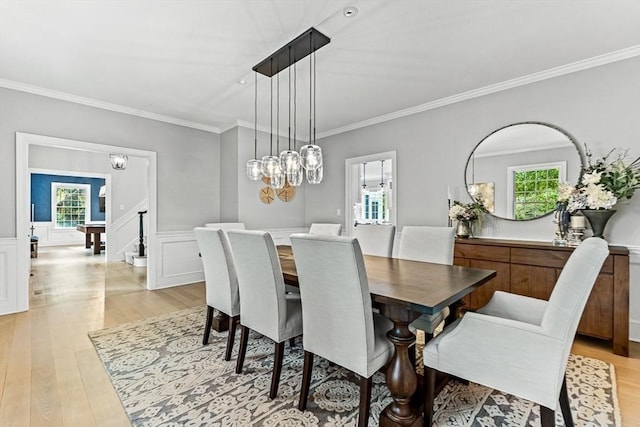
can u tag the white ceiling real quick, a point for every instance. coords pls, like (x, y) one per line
(181, 61)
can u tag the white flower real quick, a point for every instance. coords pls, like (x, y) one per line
(565, 191)
(599, 197)
(591, 178)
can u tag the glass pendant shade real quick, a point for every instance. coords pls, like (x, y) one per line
(314, 176)
(270, 164)
(311, 156)
(290, 161)
(278, 179)
(254, 169)
(295, 177)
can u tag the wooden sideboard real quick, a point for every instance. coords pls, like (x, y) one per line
(531, 269)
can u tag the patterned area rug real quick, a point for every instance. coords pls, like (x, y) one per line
(166, 377)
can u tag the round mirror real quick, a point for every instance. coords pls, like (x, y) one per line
(515, 170)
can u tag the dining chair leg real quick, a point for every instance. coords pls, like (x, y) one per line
(233, 320)
(547, 417)
(207, 326)
(365, 401)
(429, 395)
(244, 337)
(306, 380)
(277, 368)
(565, 406)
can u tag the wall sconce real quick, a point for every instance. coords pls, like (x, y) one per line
(119, 161)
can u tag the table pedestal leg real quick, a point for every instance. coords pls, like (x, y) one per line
(96, 243)
(401, 375)
(220, 321)
(87, 240)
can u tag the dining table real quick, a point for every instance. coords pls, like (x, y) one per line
(404, 290)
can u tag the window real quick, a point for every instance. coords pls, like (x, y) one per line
(374, 206)
(71, 204)
(535, 189)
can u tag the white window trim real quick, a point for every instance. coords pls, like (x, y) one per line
(511, 170)
(54, 187)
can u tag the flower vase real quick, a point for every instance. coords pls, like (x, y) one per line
(598, 219)
(463, 230)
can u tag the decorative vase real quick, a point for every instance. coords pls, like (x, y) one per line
(598, 219)
(561, 219)
(463, 230)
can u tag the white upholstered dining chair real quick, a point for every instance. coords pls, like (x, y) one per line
(338, 322)
(265, 307)
(517, 344)
(328, 229)
(428, 244)
(376, 240)
(221, 281)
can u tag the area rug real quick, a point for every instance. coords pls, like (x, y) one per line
(164, 376)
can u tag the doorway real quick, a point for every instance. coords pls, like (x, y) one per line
(371, 190)
(23, 144)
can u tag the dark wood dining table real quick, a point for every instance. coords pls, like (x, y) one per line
(95, 230)
(404, 290)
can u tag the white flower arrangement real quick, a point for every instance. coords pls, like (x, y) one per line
(603, 183)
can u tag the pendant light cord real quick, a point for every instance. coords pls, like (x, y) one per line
(271, 116)
(278, 114)
(314, 97)
(255, 117)
(289, 103)
(310, 85)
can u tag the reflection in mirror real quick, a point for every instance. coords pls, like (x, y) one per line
(516, 169)
(376, 182)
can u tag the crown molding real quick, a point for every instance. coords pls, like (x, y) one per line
(63, 96)
(585, 64)
(596, 61)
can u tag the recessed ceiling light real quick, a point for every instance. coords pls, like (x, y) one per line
(350, 11)
(242, 82)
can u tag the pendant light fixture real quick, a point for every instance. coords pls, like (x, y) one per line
(290, 166)
(254, 166)
(364, 175)
(119, 161)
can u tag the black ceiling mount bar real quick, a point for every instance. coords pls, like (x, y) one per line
(303, 45)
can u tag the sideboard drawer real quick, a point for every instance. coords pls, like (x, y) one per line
(486, 252)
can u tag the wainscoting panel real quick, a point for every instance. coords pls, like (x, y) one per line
(179, 262)
(634, 293)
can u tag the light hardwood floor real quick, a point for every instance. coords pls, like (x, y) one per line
(50, 374)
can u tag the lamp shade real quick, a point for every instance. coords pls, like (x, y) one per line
(311, 156)
(295, 177)
(270, 164)
(254, 169)
(314, 176)
(290, 161)
(278, 178)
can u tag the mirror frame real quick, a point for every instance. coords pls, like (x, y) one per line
(549, 125)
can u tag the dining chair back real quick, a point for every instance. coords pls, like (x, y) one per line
(338, 322)
(376, 240)
(428, 244)
(266, 308)
(328, 229)
(517, 344)
(221, 280)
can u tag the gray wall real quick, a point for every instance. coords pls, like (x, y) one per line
(230, 172)
(599, 106)
(188, 159)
